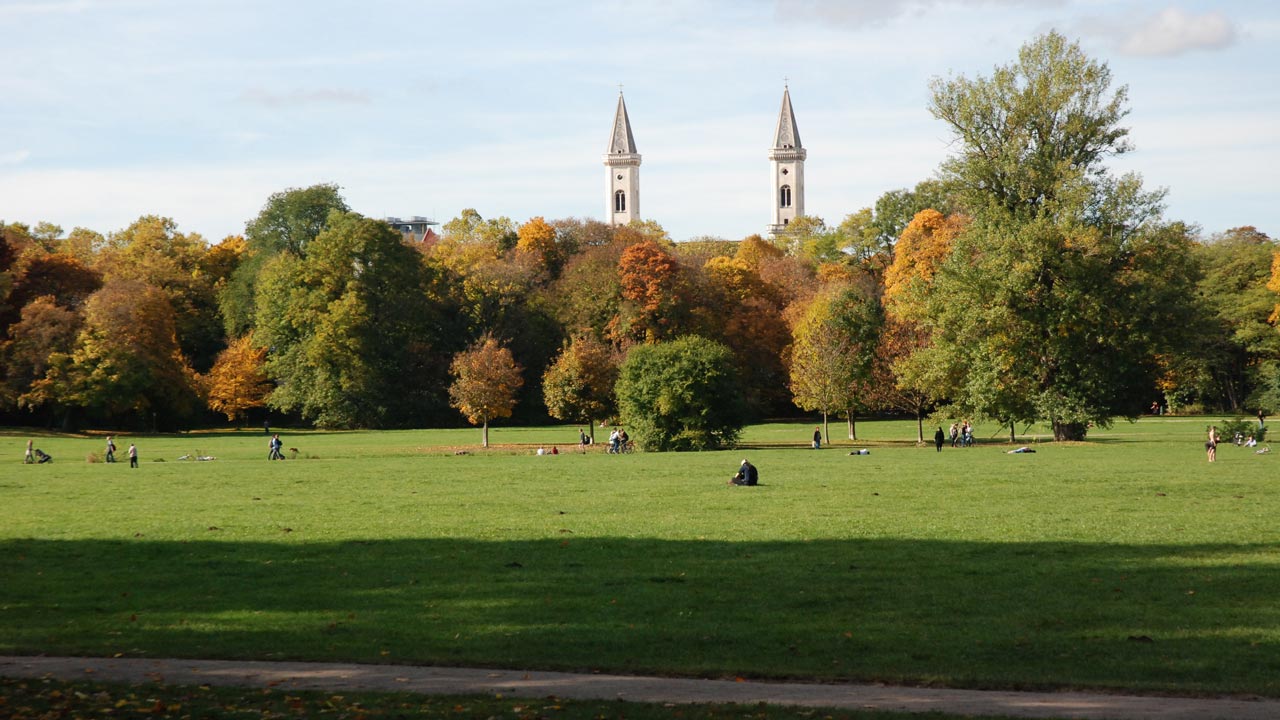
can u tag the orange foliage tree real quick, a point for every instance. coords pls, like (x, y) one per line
(485, 380)
(652, 286)
(238, 381)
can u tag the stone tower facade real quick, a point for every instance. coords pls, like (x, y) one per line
(786, 161)
(622, 184)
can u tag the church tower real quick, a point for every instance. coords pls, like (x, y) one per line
(786, 160)
(622, 184)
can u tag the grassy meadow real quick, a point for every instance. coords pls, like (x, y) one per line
(1126, 562)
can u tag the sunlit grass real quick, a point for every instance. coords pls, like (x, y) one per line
(969, 567)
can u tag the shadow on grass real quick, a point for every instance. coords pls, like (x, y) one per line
(1185, 619)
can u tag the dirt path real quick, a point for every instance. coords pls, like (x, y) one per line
(519, 683)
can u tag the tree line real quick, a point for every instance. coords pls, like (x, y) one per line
(1024, 283)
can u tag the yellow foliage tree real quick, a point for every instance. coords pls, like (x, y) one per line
(538, 238)
(237, 381)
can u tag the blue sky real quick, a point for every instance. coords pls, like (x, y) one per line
(199, 109)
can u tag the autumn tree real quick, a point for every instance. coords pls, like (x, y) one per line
(44, 330)
(238, 380)
(833, 354)
(651, 284)
(681, 395)
(537, 238)
(485, 380)
(126, 359)
(578, 386)
(151, 249)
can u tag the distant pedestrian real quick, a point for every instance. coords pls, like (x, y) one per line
(1262, 419)
(955, 434)
(276, 445)
(133, 455)
(939, 438)
(1211, 444)
(817, 438)
(111, 450)
(266, 426)
(30, 457)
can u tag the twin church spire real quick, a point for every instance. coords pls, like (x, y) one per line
(786, 160)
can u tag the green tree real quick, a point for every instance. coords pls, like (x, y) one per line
(1032, 130)
(350, 329)
(486, 379)
(1055, 300)
(578, 386)
(681, 395)
(288, 222)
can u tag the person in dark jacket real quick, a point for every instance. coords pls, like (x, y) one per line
(939, 438)
(746, 475)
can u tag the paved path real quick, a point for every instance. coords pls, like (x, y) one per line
(520, 683)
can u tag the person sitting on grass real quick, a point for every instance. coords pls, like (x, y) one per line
(746, 475)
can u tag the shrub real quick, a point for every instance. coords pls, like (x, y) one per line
(681, 395)
(1242, 427)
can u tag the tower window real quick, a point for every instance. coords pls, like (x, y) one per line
(784, 196)
(620, 201)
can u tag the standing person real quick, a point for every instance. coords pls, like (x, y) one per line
(966, 434)
(939, 438)
(111, 450)
(1262, 419)
(133, 455)
(582, 439)
(623, 439)
(817, 438)
(955, 434)
(614, 439)
(30, 457)
(1211, 445)
(266, 426)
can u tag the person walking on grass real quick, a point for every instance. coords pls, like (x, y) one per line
(111, 450)
(133, 455)
(939, 438)
(30, 457)
(817, 438)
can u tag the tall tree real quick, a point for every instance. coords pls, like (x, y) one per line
(351, 331)
(288, 222)
(1054, 301)
(652, 286)
(485, 380)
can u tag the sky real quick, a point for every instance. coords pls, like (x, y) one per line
(198, 110)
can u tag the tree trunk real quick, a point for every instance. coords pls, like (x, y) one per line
(826, 436)
(1013, 436)
(919, 427)
(485, 433)
(853, 425)
(591, 430)
(1069, 431)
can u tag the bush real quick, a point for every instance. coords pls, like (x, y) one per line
(1242, 427)
(681, 395)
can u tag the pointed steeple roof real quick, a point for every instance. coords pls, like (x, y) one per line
(622, 141)
(787, 136)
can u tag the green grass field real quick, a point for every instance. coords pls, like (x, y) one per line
(1127, 562)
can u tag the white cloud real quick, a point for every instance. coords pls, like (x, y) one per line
(1174, 31)
(870, 13)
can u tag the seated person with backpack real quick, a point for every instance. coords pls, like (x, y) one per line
(746, 475)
